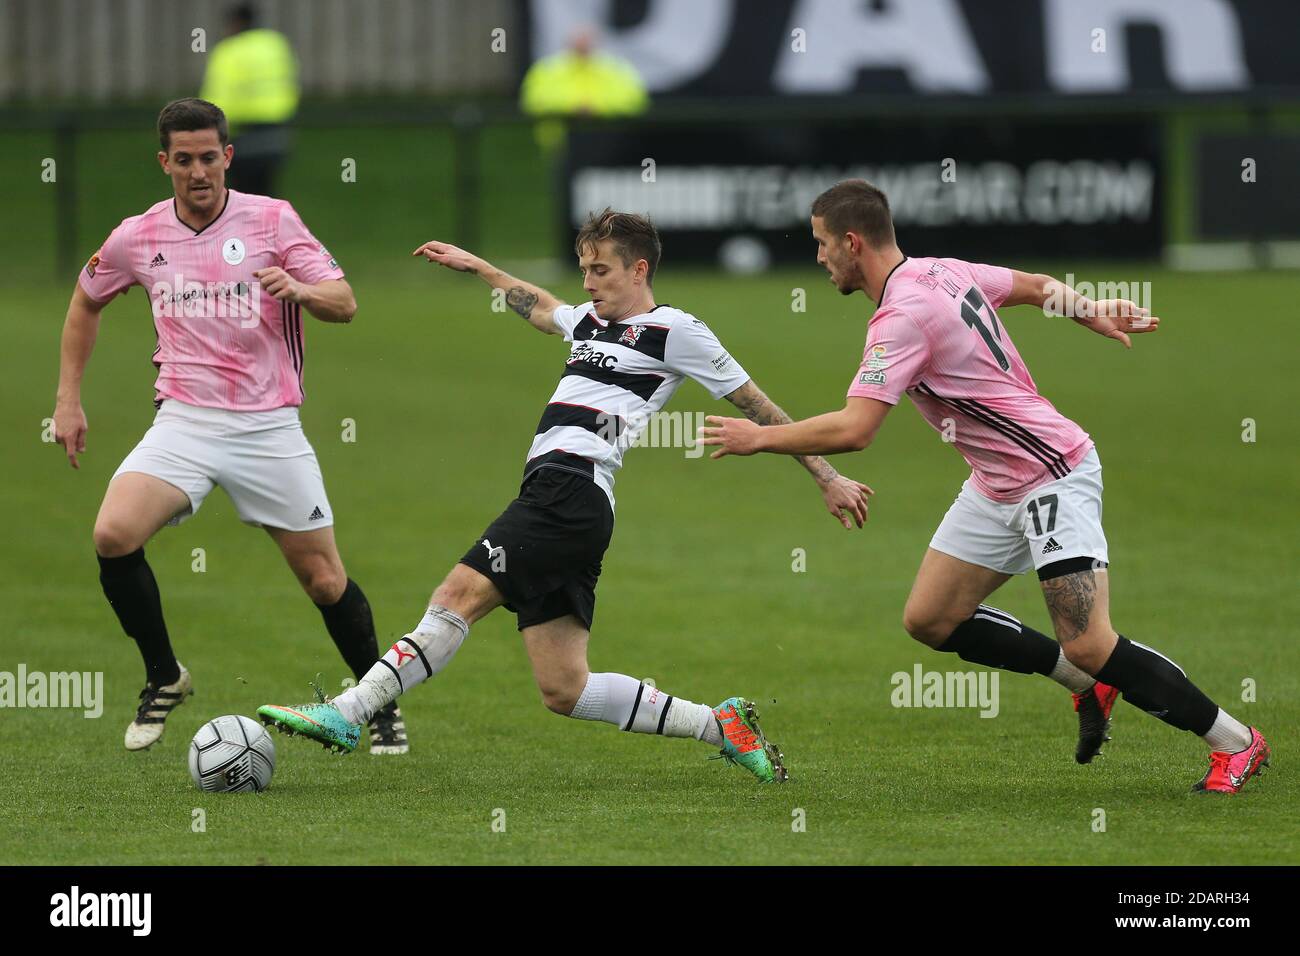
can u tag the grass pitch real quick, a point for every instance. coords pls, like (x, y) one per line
(698, 592)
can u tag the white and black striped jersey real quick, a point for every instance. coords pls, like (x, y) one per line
(618, 374)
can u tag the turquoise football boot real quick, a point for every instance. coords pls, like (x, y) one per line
(743, 742)
(321, 721)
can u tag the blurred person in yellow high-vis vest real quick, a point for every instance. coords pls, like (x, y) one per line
(253, 76)
(580, 81)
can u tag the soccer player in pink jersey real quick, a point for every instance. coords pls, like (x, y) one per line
(1033, 499)
(228, 276)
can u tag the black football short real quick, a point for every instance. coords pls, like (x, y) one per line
(544, 552)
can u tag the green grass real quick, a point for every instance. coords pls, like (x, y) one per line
(404, 186)
(697, 592)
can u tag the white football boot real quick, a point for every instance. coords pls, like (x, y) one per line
(155, 704)
(388, 732)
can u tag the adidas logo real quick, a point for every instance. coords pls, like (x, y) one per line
(1051, 546)
(158, 260)
(316, 514)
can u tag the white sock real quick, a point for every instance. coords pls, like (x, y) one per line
(414, 658)
(1070, 677)
(633, 705)
(1228, 734)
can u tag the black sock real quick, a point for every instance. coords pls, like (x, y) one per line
(132, 591)
(1152, 682)
(350, 624)
(996, 639)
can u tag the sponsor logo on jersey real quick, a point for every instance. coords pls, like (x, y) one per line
(90, 266)
(585, 352)
(871, 378)
(720, 362)
(631, 335)
(158, 260)
(195, 300)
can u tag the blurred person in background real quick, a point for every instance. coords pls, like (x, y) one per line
(577, 82)
(253, 76)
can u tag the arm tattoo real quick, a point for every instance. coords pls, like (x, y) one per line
(521, 300)
(1070, 599)
(757, 407)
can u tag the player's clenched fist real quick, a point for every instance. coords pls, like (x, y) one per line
(453, 257)
(280, 284)
(70, 431)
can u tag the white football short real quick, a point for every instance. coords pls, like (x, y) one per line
(262, 460)
(1056, 529)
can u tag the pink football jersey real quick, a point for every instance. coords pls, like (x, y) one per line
(223, 341)
(936, 335)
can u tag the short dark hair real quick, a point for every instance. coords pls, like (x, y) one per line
(856, 206)
(635, 237)
(187, 116)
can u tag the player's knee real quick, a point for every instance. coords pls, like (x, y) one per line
(457, 589)
(114, 539)
(931, 630)
(324, 581)
(1088, 652)
(450, 594)
(560, 700)
(466, 592)
(560, 693)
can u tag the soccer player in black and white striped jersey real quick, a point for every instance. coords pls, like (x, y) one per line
(541, 557)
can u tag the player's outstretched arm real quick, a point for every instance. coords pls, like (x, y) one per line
(840, 494)
(329, 301)
(850, 429)
(80, 329)
(533, 303)
(1113, 318)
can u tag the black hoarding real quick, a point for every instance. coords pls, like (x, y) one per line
(1245, 188)
(741, 193)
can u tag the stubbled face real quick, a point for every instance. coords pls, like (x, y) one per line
(616, 290)
(836, 257)
(197, 164)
